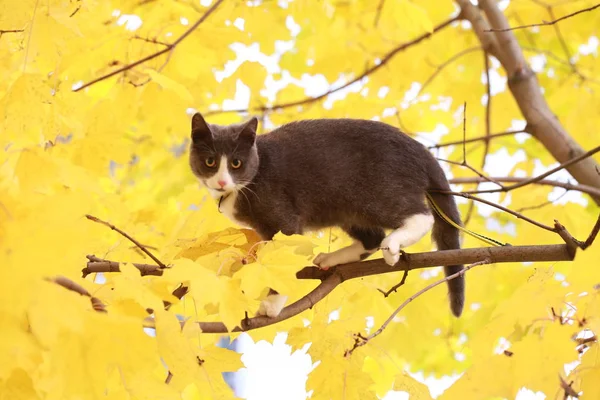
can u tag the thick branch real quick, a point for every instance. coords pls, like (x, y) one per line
(384, 60)
(334, 276)
(526, 90)
(547, 182)
(501, 254)
(169, 48)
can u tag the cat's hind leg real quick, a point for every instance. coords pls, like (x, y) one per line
(366, 242)
(411, 230)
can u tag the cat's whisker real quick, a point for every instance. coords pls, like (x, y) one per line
(240, 191)
(250, 190)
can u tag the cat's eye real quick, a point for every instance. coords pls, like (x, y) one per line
(210, 162)
(236, 163)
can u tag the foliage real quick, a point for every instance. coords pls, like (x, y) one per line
(117, 150)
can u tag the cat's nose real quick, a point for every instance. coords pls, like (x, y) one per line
(221, 183)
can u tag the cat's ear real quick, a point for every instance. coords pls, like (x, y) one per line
(248, 131)
(200, 130)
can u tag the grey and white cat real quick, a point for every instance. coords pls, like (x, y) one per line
(362, 176)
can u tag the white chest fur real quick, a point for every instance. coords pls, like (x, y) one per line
(227, 208)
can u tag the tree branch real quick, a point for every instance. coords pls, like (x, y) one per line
(526, 90)
(336, 275)
(396, 286)
(3, 31)
(384, 60)
(132, 240)
(475, 139)
(77, 288)
(544, 23)
(443, 65)
(466, 195)
(169, 48)
(96, 265)
(361, 340)
(547, 182)
(540, 177)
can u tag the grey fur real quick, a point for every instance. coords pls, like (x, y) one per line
(363, 176)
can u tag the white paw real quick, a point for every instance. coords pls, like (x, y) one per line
(325, 260)
(272, 305)
(391, 250)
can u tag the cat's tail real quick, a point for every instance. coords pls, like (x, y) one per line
(446, 236)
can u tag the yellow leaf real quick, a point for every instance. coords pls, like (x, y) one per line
(167, 83)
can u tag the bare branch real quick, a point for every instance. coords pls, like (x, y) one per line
(465, 165)
(541, 176)
(3, 31)
(475, 139)
(77, 288)
(443, 65)
(544, 23)
(363, 340)
(132, 240)
(592, 236)
(96, 265)
(168, 48)
(488, 109)
(547, 182)
(151, 40)
(378, 13)
(384, 60)
(466, 195)
(396, 286)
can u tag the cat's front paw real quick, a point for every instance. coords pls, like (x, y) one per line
(391, 250)
(272, 305)
(325, 261)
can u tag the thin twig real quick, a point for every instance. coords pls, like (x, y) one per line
(169, 48)
(542, 205)
(378, 13)
(482, 176)
(544, 23)
(151, 40)
(466, 195)
(442, 66)
(541, 176)
(31, 25)
(132, 240)
(396, 286)
(464, 161)
(592, 236)
(488, 109)
(3, 31)
(77, 288)
(476, 139)
(362, 340)
(384, 60)
(547, 182)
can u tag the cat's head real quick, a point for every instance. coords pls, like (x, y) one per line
(224, 158)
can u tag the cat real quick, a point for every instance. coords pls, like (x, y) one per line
(363, 176)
